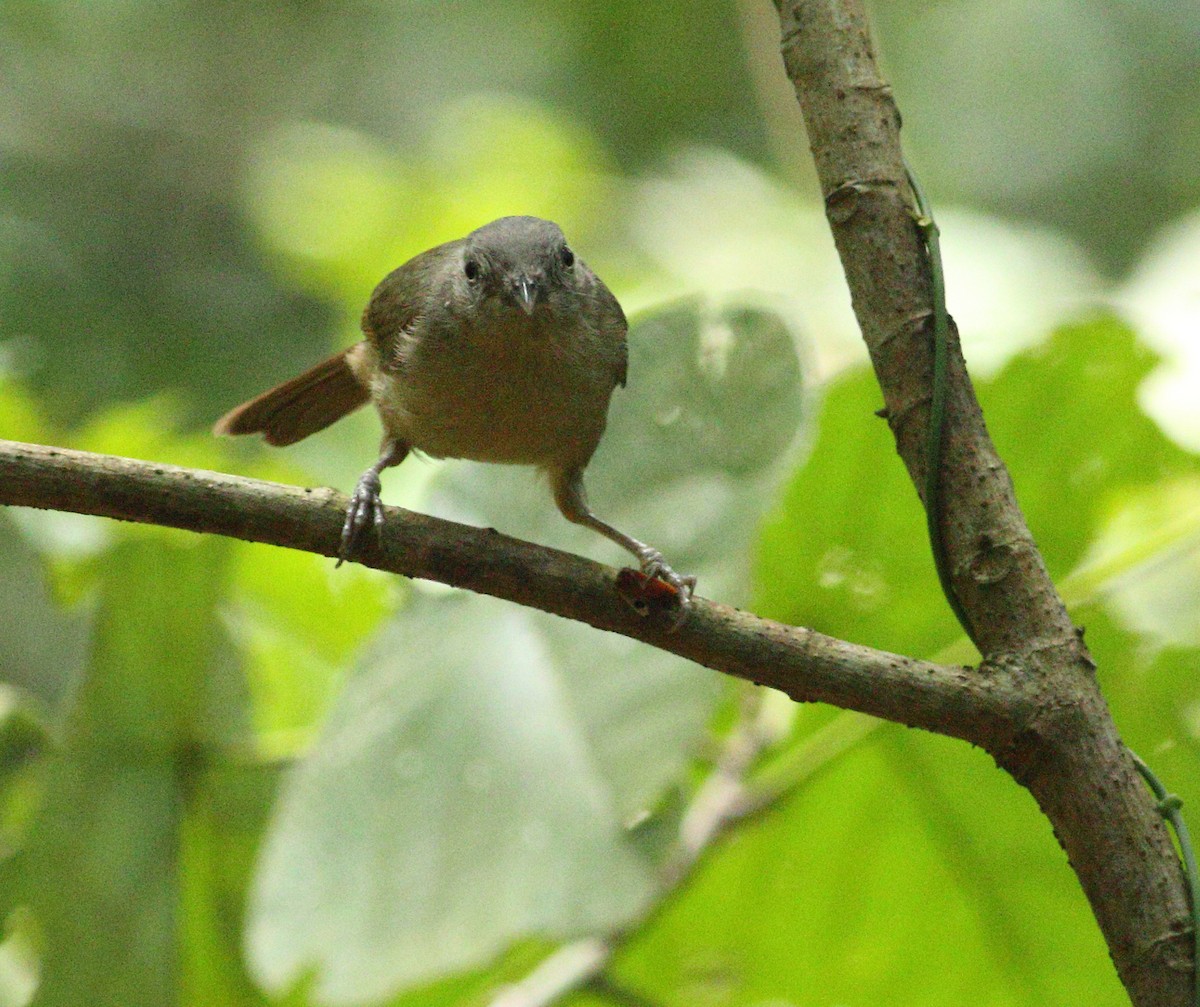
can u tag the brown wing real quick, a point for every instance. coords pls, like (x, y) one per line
(397, 300)
(325, 393)
(613, 323)
(310, 402)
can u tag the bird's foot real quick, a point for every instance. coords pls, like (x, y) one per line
(657, 588)
(656, 568)
(366, 509)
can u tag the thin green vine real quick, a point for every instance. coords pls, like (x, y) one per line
(937, 405)
(1169, 806)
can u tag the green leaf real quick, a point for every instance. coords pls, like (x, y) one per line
(887, 879)
(1155, 695)
(847, 552)
(99, 867)
(21, 419)
(328, 199)
(41, 646)
(693, 448)
(298, 622)
(472, 783)
(1149, 550)
(924, 831)
(227, 809)
(451, 806)
(695, 445)
(1066, 420)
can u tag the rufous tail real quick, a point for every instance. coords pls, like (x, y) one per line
(291, 411)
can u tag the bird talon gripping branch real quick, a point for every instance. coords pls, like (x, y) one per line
(499, 347)
(654, 595)
(365, 509)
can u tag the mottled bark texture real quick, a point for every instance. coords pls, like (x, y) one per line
(1064, 747)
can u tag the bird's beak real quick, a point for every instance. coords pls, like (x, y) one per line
(525, 290)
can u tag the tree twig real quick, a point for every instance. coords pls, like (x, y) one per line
(802, 663)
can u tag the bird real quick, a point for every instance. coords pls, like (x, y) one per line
(499, 347)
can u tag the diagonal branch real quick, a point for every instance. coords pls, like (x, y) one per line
(804, 664)
(1069, 755)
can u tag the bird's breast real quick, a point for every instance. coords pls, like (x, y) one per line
(528, 392)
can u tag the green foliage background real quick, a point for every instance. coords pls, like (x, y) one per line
(230, 775)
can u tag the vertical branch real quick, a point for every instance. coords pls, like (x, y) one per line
(1067, 751)
(854, 128)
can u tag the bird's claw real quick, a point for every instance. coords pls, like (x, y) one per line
(657, 588)
(365, 509)
(656, 568)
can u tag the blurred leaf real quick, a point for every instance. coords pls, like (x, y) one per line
(475, 989)
(1066, 420)
(298, 622)
(25, 741)
(300, 593)
(426, 830)
(1149, 548)
(643, 712)
(713, 389)
(20, 417)
(887, 879)
(490, 153)
(327, 199)
(1160, 297)
(41, 647)
(847, 551)
(344, 210)
(18, 962)
(99, 872)
(1155, 693)
(693, 449)
(100, 865)
(713, 222)
(148, 429)
(444, 741)
(227, 809)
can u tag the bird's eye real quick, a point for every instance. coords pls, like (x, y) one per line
(471, 268)
(567, 256)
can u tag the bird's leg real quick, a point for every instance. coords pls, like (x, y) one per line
(365, 506)
(571, 499)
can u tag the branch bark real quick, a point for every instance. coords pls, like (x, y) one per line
(806, 665)
(1068, 752)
